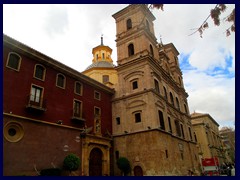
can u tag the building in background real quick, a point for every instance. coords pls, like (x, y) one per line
(46, 106)
(206, 134)
(228, 139)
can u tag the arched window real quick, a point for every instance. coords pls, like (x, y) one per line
(151, 51)
(39, 72)
(78, 88)
(14, 61)
(165, 93)
(147, 24)
(177, 103)
(60, 81)
(185, 107)
(156, 86)
(171, 99)
(179, 79)
(130, 50)
(129, 24)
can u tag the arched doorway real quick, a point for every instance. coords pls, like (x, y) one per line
(95, 162)
(138, 171)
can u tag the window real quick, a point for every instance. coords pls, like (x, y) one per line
(77, 108)
(39, 72)
(179, 80)
(134, 84)
(105, 78)
(78, 88)
(14, 61)
(177, 102)
(171, 98)
(117, 154)
(129, 24)
(96, 56)
(166, 153)
(185, 107)
(137, 117)
(147, 24)
(151, 51)
(181, 153)
(97, 111)
(169, 124)
(103, 57)
(195, 137)
(178, 130)
(61, 81)
(190, 133)
(156, 86)
(182, 130)
(161, 119)
(130, 50)
(165, 93)
(118, 120)
(97, 95)
(36, 95)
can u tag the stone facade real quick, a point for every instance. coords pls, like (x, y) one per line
(151, 122)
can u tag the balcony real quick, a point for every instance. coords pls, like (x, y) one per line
(77, 117)
(36, 106)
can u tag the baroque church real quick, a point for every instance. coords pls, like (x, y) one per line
(136, 109)
(151, 121)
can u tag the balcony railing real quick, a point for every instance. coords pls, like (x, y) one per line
(77, 117)
(39, 105)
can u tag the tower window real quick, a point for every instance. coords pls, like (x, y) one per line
(169, 124)
(129, 24)
(14, 61)
(161, 119)
(156, 86)
(195, 137)
(105, 78)
(178, 131)
(134, 84)
(185, 107)
(166, 153)
(182, 130)
(190, 133)
(171, 98)
(178, 107)
(137, 117)
(151, 51)
(130, 50)
(147, 24)
(118, 120)
(165, 93)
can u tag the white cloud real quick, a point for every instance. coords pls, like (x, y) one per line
(68, 33)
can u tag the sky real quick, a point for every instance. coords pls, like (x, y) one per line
(68, 32)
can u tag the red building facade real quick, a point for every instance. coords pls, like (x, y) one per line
(46, 105)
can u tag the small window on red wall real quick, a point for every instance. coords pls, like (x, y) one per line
(97, 95)
(61, 81)
(13, 61)
(39, 72)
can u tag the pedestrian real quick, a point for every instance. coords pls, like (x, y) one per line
(229, 170)
(233, 171)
